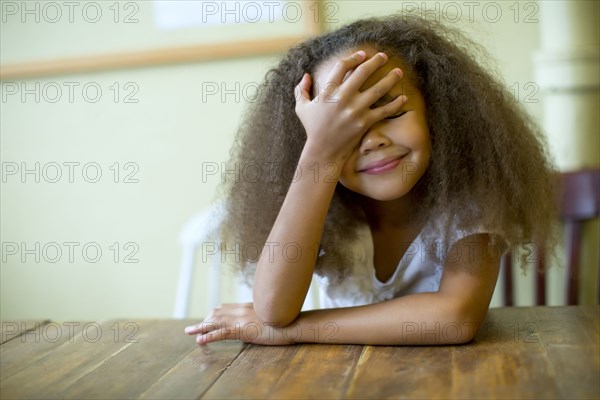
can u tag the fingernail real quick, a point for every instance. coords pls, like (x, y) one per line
(382, 55)
(398, 72)
(361, 53)
(189, 329)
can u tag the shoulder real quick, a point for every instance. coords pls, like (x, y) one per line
(472, 252)
(446, 231)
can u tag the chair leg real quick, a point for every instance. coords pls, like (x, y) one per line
(185, 281)
(598, 270)
(214, 289)
(573, 232)
(540, 286)
(507, 266)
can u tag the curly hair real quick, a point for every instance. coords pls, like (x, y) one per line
(489, 162)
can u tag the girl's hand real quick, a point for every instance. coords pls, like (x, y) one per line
(337, 118)
(239, 322)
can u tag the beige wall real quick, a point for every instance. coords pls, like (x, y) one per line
(166, 135)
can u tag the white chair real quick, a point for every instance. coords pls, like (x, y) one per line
(201, 229)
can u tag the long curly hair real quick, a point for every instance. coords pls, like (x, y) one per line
(489, 162)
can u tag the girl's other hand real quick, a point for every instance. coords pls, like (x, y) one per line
(239, 322)
(340, 114)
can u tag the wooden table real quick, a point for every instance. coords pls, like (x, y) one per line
(520, 352)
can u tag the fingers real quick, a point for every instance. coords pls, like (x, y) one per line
(344, 65)
(377, 91)
(222, 323)
(213, 336)
(301, 91)
(351, 71)
(201, 328)
(208, 332)
(363, 72)
(388, 110)
(340, 72)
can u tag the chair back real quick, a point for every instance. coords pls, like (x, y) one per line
(579, 201)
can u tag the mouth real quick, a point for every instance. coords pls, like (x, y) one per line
(381, 166)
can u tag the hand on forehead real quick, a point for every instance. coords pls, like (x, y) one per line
(403, 87)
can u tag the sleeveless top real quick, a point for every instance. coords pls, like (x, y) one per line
(419, 269)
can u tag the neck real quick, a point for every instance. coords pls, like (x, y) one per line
(393, 214)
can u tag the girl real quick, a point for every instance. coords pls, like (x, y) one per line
(414, 170)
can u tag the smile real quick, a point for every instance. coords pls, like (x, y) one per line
(382, 166)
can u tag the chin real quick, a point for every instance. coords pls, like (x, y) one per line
(385, 195)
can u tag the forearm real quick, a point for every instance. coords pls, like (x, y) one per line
(286, 265)
(419, 319)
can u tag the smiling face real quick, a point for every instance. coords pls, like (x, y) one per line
(394, 153)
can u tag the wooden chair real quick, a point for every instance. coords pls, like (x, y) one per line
(579, 202)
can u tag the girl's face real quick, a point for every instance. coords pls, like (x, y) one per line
(394, 153)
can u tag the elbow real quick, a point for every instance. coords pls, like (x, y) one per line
(465, 335)
(274, 314)
(461, 327)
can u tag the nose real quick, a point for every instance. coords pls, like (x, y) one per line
(373, 140)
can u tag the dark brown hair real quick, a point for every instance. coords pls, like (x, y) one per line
(489, 165)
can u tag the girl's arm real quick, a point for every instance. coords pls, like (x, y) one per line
(450, 316)
(334, 123)
(284, 271)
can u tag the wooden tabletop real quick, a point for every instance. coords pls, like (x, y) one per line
(519, 352)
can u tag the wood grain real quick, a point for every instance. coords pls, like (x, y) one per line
(16, 355)
(571, 342)
(196, 372)
(317, 371)
(254, 373)
(129, 372)
(506, 357)
(518, 352)
(53, 373)
(13, 329)
(402, 372)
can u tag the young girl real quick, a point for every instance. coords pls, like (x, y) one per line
(413, 171)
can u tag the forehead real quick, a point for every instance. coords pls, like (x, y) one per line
(324, 68)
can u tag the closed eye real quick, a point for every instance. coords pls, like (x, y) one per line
(397, 115)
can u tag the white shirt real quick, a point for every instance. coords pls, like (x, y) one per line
(419, 270)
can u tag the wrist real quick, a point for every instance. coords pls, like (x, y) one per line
(298, 330)
(316, 152)
(309, 327)
(323, 167)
